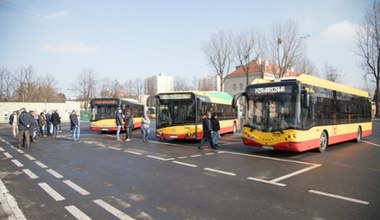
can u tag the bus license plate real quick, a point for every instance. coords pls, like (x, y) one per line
(268, 147)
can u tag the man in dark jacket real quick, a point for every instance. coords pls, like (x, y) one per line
(56, 120)
(119, 122)
(25, 121)
(207, 132)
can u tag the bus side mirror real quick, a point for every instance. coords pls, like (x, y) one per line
(305, 99)
(236, 98)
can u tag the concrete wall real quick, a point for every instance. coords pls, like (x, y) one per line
(64, 109)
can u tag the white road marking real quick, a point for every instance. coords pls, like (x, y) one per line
(185, 164)
(30, 174)
(114, 148)
(370, 143)
(10, 204)
(54, 173)
(265, 181)
(2, 149)
(20, 151)
(182, 157)
(7, 155)
(294, 173)
(133, 152)
(76, 187)
(209, 154)
(29, 157)
(54, 194)
(159, 158)
(114, 211)
(17, 163)
(78, 214)
(220, 171)
(339, 197)
(196, 155)
(40, 164)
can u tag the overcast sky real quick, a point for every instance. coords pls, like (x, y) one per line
(136, 39)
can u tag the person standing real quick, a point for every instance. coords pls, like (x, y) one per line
(119, 123)
(49, 126)
(128, 125)
(207, 132)
(71, 118)
(25, 122)
(76, 126)
(42, 123)
(215, 127)
(145, 122)
(13, 120)
(56, 120)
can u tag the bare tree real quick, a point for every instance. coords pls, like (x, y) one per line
(85, 86)
(181, 84)
(331, 73)
(104, 87)
(219, 54)
(368, 47)
(246, 48)
(7, 84)
(285, 47)
(150, 87)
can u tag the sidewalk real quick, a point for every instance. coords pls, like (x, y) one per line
(9, 208)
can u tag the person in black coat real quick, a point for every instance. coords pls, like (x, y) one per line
(215, 127)
(207, 132)
(56, 120)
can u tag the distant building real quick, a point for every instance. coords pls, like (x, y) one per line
(159, 83)
(236, 81)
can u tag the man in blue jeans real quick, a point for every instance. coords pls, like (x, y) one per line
(207, 132)
(119, 123)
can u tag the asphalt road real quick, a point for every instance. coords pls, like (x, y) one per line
(100, 178)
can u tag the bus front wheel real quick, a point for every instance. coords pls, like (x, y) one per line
(323, 142)
(358, 135)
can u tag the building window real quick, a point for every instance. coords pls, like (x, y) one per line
(234, 86)
(241, 86)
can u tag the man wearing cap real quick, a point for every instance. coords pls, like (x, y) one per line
(24, 124)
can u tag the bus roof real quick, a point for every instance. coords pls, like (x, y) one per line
(211, 96)
(319, 82)
(323, 83)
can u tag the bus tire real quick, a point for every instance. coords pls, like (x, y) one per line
(358, 135)
(323, 142)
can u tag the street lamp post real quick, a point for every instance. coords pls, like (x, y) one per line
(304, 37)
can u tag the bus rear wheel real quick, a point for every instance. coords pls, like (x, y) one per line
(323, 142)
(358, 135)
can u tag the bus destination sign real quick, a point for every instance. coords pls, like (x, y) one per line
(269, 90)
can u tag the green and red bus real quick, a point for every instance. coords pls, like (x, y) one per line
(179, 114)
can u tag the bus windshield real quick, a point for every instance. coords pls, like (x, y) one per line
(275, 112)
(175, 112)
(103, 112)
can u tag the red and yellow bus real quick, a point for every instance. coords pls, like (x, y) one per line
(179, 114)
(303, 113)
(103, 112)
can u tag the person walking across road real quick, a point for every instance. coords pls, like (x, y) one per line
(207, 132)
(215, 127)
(145, 122)
(119, 123)
(128, 125)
